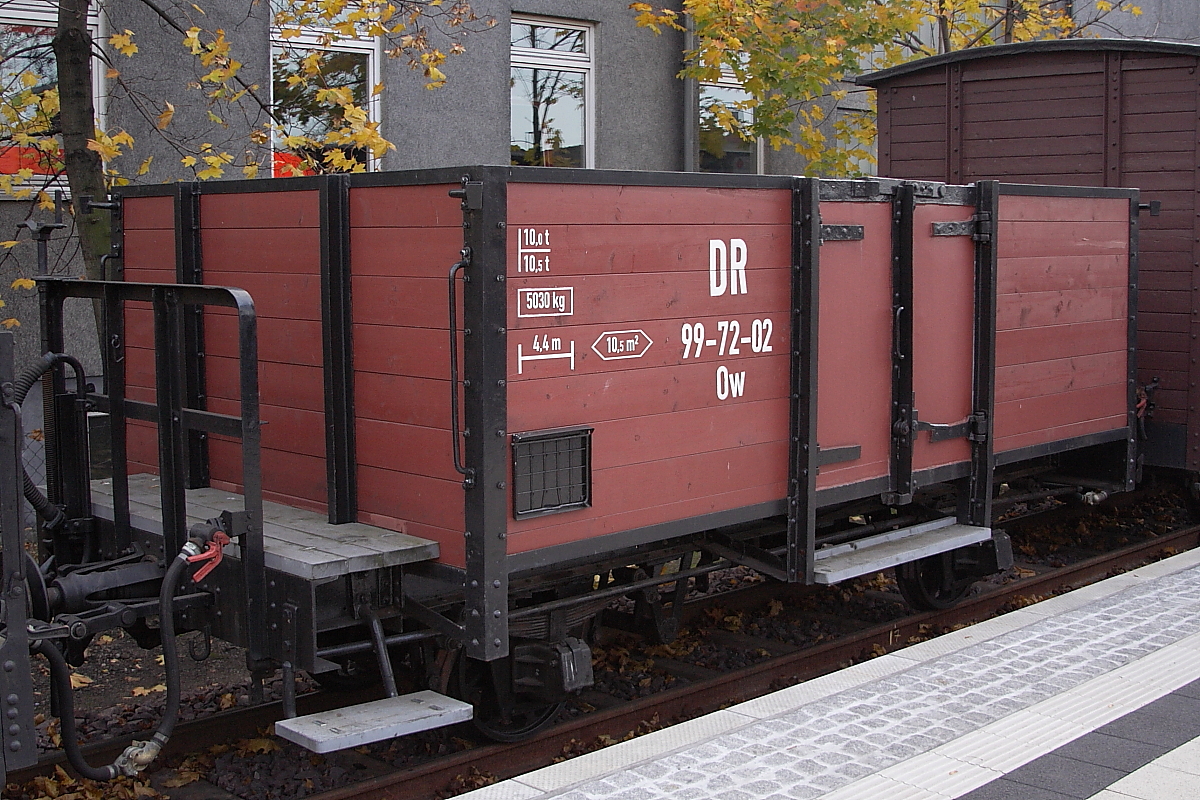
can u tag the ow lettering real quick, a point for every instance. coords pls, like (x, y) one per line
(726, 267)
(730, 384)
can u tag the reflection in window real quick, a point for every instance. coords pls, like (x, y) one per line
(549, 89)
(549, 37)
(298, 110)
(26, 67)
(547, 117)
(722, 150)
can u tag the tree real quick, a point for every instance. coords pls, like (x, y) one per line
(793, 57)
(319, 121)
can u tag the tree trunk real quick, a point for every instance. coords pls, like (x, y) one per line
(77, 121)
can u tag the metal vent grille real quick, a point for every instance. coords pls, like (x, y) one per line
(552, 471)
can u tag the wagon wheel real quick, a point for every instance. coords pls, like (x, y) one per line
(929, 583)
(473, 682)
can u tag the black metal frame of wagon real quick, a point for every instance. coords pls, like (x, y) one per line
(116, 541)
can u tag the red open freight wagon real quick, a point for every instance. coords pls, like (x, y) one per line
(505, 382)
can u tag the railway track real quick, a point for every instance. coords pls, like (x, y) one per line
(478, 766)
(703, 691)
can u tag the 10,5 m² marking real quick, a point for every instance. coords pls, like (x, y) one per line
(616, 345)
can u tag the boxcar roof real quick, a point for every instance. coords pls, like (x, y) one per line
(1043, 46)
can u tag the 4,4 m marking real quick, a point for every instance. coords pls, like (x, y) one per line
(545, 347)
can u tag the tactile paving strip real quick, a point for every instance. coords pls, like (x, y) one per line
(863, 734)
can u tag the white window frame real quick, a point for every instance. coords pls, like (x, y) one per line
(728, 80)
(585, 63)
(44, 13)
(313, 39)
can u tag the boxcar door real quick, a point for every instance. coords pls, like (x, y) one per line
(854, 343)
(943, 307)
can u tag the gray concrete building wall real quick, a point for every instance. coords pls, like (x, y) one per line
(638, 98)
(1171, 20)
(161, 72)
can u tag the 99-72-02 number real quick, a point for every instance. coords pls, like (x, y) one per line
(693, 337)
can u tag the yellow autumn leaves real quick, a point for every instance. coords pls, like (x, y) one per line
(794, 57)
(29, 104)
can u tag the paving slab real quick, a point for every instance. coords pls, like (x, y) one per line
(972, 716)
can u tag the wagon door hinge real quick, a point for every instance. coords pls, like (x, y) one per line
(978, 227)
(973, 428)
(979, 427)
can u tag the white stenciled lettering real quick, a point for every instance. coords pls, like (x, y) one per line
(718, 268)
(727, 267)
(533, 250)
(730, 384)
(737, 266)
(760, 336)
(735, 332)
(731, 341)
(692, 334)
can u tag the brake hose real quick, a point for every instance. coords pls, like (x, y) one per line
(51, 513)
(138, 755)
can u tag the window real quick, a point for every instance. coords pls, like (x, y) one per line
(722, 150)
(550, 93)
(26, 33)
(350, 64)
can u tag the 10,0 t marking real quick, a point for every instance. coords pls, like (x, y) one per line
(731, 341)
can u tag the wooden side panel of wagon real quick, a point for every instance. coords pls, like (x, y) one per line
(148, 226)
(1063, 343)
(854, 361)
(268, 243)
(403, 240)
(657, 317)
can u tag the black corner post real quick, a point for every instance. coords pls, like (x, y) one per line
(903, 425)
(979, 489)
(336, 324)
(1132, 458)
(802, 466)
(189, 268)
(50, 307)
(113, 355)
(169, 393)
(484, 382)
(19, 736)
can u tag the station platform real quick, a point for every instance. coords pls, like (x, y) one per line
(1091, 694)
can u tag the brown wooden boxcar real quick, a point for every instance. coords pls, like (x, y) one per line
(1081, 112)
(648, 362)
